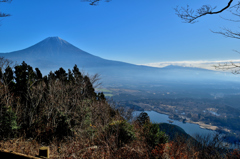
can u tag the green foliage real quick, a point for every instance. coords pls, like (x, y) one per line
(38, 73)
(123, 130)
(61, 74)
(63, 127)
(87, 117)
(8, 75)
(153, 134)
(151, 131)
(8, 122)
(101, 97)
(143, 118)
(7, 78)
(88, 89)
(174, 132)
(77, 74)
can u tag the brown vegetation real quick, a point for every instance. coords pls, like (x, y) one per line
(63, 111)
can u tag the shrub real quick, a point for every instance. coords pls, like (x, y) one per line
(123, 130)
(143, 118)
(153, 134)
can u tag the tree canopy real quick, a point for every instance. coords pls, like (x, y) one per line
(28, 100)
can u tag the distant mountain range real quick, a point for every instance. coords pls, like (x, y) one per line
(54, 52)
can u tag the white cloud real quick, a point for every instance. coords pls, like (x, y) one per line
(200, 64)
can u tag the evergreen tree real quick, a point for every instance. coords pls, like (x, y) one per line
(101, 97)
(8, 121)
(8, 75)
(153, 135)
(51, 76)
(21, 79)
(70, 76)
(38, 73)
(8, 78)
(61, 74)
(88, 89)
(31, 76)
(143, 118)
(151, 131)
(77, 74)
(1, 75)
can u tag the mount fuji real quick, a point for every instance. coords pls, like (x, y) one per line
(52, 53)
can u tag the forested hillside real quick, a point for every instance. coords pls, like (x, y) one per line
(59, 104)
(63, 111)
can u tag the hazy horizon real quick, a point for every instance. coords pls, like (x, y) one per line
(205, 64)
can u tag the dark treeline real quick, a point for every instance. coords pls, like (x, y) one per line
(58, 104)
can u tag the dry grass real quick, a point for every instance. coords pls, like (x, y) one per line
(104, 146)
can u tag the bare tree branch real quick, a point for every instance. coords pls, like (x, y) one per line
(6, 1)
(94, 2)
(95, 80)
(232, 20)
(229, 66)
(4, 63)
(4, 14)
(228, 33)
(190, 16)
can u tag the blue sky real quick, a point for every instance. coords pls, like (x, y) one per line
(133, 31)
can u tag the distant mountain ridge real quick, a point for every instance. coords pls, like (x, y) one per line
(54, 52)
(55, 47)
(176, 67)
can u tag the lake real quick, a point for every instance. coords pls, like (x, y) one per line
(191, 129)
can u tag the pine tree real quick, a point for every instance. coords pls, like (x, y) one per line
(88, 89)
(61, 74)
(38, 73)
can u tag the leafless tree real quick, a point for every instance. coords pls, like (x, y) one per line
(4, 63)
(52, 103)
(5, 93)
(189, 15)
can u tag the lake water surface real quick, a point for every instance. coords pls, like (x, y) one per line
(191, 129)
